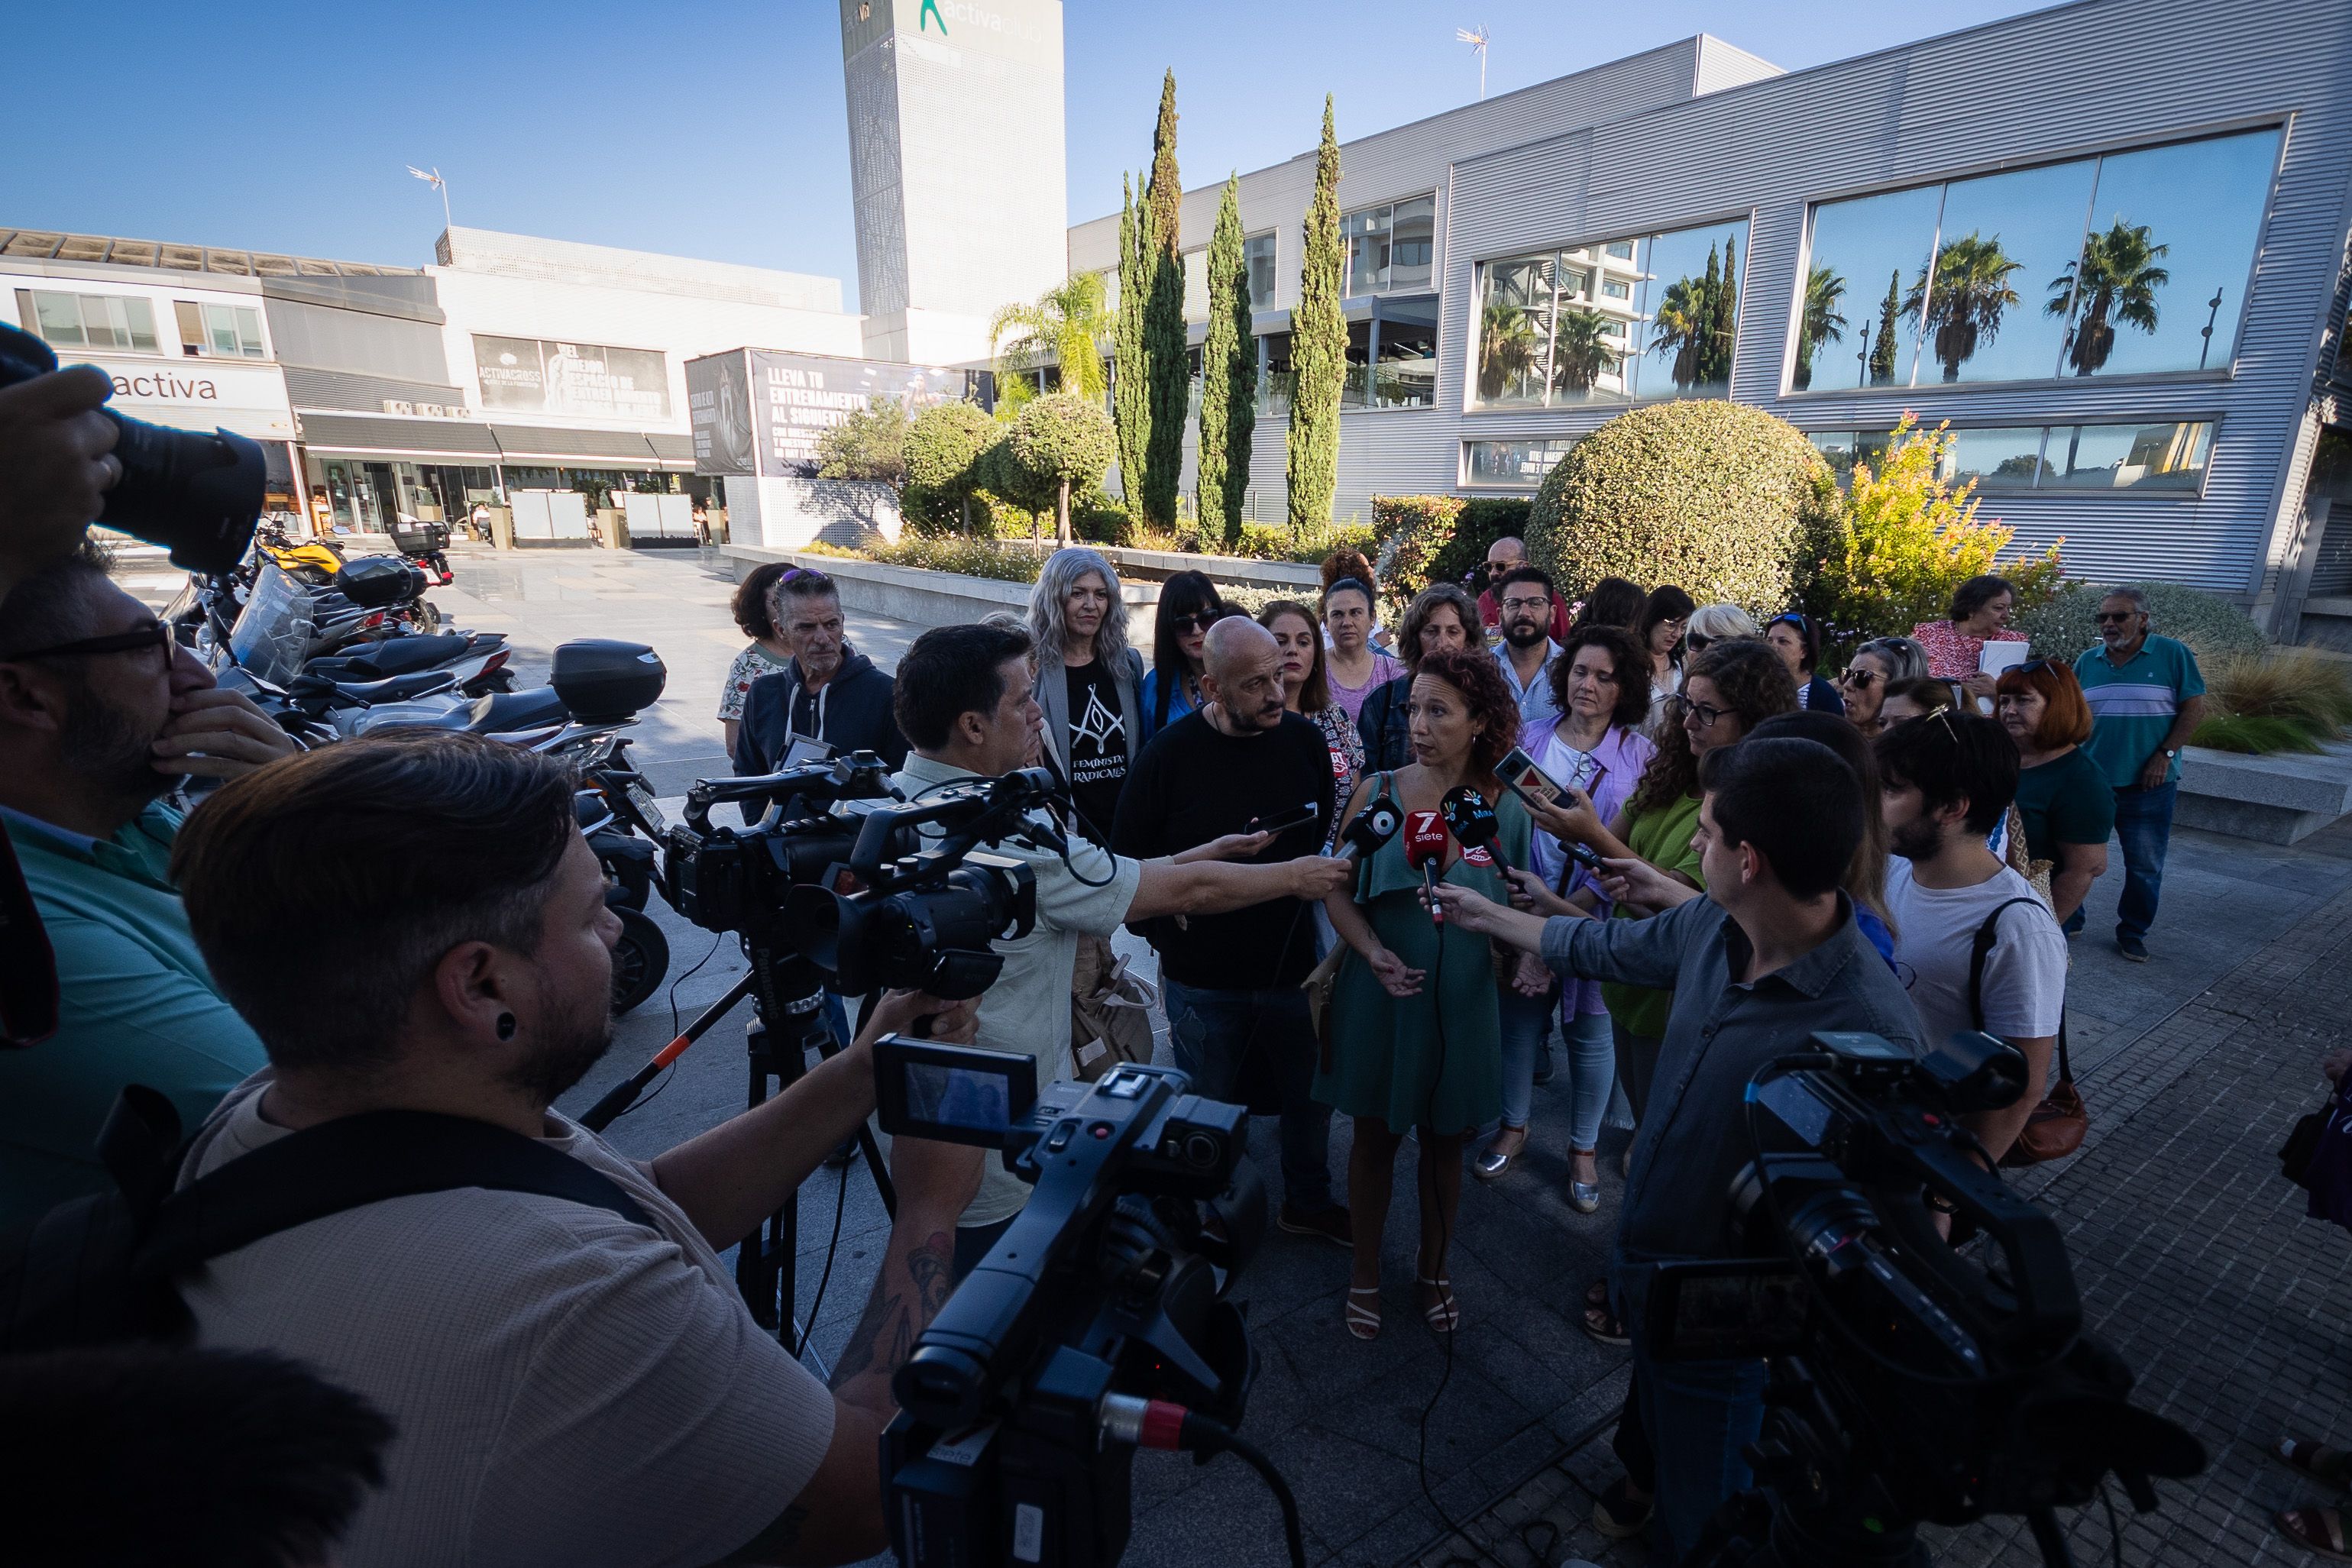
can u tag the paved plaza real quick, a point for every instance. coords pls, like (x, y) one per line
(2192, 1254)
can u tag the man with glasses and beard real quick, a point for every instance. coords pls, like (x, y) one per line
(1524, 598)
(573, 1378)
(100, 713)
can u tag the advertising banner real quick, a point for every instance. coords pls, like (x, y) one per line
(534, 376)
(197, 395)
(718, 411)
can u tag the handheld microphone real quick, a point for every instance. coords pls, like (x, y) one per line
(1374, 826)
(1424, 846)
(1473, 821)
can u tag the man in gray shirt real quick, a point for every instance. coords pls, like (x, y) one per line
(1770, 955)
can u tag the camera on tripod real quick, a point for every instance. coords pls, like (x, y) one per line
(1097, 1324)
(1911, 1381)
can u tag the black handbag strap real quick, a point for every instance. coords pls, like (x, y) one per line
(355, 1161)
(1987, 934)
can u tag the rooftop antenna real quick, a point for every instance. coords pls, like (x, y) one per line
(433, 178)
(1476, 38)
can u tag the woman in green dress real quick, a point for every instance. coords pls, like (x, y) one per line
(1415, 1036)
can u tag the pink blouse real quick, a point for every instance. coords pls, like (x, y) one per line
(1952, 653)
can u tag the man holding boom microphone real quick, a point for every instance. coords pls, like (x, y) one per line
(966, 702)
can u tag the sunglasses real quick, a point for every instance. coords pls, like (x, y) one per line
(2105, 616)
(1200, 623)
(154, 634)
(1858, 679)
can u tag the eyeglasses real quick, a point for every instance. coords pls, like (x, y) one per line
(154, 634)
(1684, 709)
(1535, 605)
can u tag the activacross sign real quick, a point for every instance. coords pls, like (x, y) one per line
(761, 411)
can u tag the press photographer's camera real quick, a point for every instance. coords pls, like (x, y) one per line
(1910, 1380)
(199, 495)
(1097, 1324)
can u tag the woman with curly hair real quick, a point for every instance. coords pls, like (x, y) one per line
(1415, 1038)
(765, 655)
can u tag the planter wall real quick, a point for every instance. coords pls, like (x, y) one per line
(925, 597)
(2277, 799)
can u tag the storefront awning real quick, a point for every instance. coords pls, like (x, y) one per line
(371, 436)
(582, 448)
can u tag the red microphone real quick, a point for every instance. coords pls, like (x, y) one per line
(1424, 846)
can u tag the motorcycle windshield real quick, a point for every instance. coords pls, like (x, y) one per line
(275, 627)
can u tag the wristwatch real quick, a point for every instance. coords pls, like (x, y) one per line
(2171, 752)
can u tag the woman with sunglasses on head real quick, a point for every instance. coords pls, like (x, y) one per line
(1665, 617)
(1600, 684)
(1715, 624)
(1979, 615)
(1797, 641)
(1189, 606)
(1356, 669)
(1876, 666)
(2063, 800)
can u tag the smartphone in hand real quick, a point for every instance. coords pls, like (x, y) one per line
(1522, 778)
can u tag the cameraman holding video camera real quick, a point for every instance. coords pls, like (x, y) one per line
(573, 1375)
(1769, 956)
(966, 704)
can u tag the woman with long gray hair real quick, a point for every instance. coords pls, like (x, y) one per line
(1089, 681)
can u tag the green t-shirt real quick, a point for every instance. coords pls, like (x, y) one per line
(136, 1005)
(2132, 709)
(2065, 802)
(1663, 837)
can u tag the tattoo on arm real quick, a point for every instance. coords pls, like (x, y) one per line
(899, 1312)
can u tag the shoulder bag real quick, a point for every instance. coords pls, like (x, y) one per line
(2057, 1124)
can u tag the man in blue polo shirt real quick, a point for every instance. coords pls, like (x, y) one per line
(2146, 698)
(100, 712)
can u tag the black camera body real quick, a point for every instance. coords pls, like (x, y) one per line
(1023, 1401)
(1911, 1380)
(197, 495)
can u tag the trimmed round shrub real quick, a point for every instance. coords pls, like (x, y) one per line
(2065, 624)
(1063, 437)
(1715, 497)
(941, 448)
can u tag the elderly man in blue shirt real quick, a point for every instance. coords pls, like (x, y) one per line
(100, 712)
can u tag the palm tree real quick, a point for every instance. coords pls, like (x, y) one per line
(1067, 326)
(1819, 324)
(1508, 347)
(1581, 351)
(1680, 326)
(2117, 280)
(1970, 294)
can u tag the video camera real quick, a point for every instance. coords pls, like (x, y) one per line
(199, 495)
(891, 894)
(1910, 1381)
(1097, 1325)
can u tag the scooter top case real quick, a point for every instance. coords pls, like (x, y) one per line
(603, 682)
(375, 582)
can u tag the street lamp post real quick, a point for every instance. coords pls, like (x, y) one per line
(433, 178)
(2212, 315)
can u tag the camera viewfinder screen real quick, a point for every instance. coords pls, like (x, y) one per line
(1730, 1314)
(958, 1097)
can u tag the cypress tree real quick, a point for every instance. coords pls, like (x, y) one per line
(1726, 315)
(1130, 407)
(1167, 375)
(1710, 290)
(1228, 376)
(1882, 355)
(1318, 345)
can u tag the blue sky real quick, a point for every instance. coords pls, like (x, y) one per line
(718, 129)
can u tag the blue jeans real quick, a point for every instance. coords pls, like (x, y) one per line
(1592, 1065)
(1211, 1031)
(1697, 1417)
(2144, 824)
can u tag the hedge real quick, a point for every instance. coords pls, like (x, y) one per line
(2067, 624)
(1715, 497)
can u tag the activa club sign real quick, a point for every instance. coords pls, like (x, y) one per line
(200, 394)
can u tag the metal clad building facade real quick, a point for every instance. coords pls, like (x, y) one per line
(1700, 135)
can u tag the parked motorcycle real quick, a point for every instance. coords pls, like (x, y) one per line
(424, 543)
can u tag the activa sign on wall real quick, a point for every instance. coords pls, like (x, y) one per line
(762, 411)
(198, 394)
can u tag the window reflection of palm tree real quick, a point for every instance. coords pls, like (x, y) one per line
(1819, 324)
(1581, 351)
(1508, 348)
(1679, 328)
(1970, 296)
(2117, 280)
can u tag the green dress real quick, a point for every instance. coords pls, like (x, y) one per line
(1661, 836)
(1386, 1058)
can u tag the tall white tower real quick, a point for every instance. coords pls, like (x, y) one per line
(957, 166)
